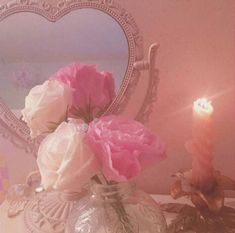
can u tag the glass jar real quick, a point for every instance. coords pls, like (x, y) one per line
(116, 208)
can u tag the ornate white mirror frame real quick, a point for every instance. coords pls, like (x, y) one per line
(16, 131)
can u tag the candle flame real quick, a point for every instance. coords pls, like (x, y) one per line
(203, 105)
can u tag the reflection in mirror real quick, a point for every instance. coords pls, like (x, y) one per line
(32, 49)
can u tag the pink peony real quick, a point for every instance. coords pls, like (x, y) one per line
(123, 147)
(93, 91)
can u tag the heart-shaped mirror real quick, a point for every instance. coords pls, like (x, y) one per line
(39, 37)
(33, 52)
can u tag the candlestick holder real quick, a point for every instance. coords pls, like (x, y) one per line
(207, 214)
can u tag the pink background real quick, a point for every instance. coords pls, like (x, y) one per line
(196, 58)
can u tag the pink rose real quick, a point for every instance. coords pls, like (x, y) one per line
(93, 91)
(123, 147)
(65, 161)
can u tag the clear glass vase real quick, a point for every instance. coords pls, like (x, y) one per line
(117, 208)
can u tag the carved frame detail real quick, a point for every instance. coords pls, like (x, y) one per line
(153, 83)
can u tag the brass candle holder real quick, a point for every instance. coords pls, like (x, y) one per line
(204, 186)
(207, 214)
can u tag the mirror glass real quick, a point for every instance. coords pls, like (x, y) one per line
(32, 49)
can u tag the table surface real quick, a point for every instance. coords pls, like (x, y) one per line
(16, 225)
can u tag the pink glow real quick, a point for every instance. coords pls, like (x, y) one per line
(196, 58)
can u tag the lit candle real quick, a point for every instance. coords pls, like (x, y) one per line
(202, 145)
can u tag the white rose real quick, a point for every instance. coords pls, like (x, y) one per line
(64, 159)
(46, 106)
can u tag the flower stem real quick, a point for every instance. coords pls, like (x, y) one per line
(117, 205)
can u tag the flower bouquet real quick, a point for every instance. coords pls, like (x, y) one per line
(81, 148)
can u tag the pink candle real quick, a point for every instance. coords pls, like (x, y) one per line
(202, 145)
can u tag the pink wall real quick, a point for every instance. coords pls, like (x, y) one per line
(18, 163)
(196, 58)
